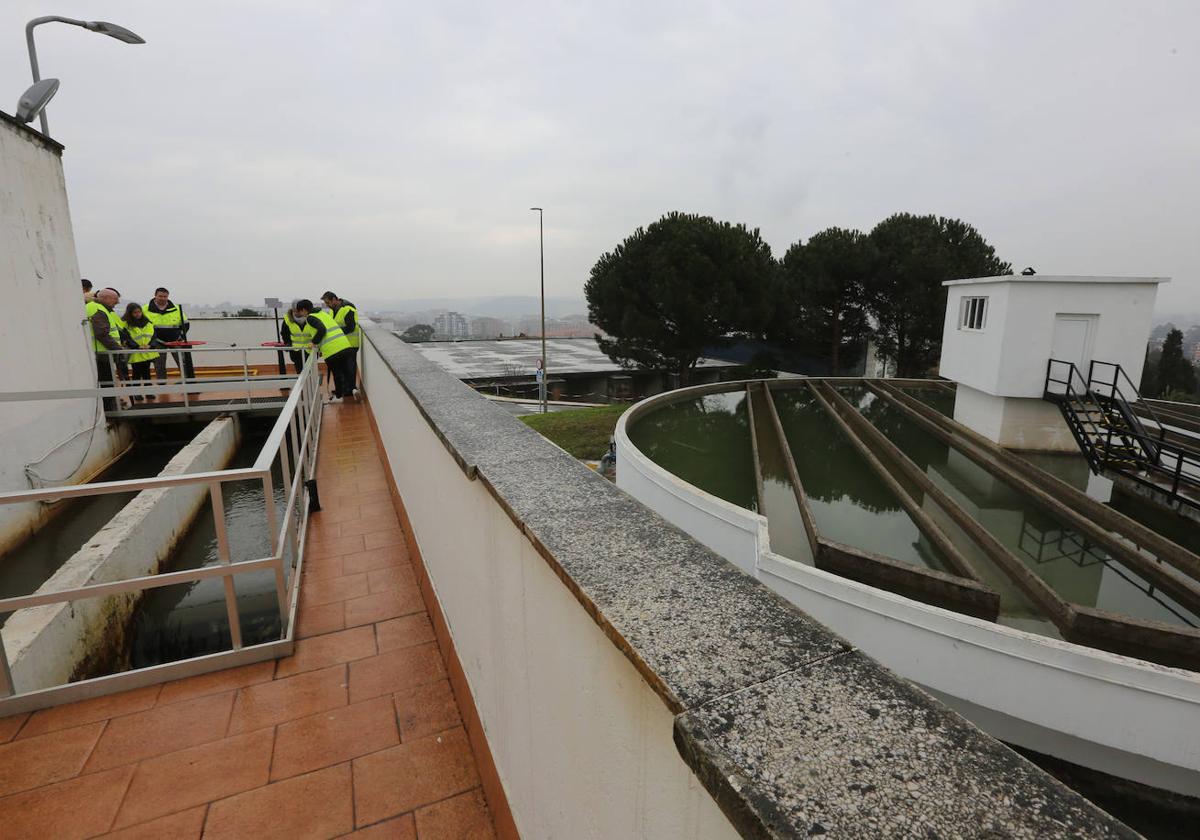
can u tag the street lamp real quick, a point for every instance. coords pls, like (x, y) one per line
(542, 255)
(112, 30)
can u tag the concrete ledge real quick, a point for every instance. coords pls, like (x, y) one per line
(57, 643)
(762, 696)
(926, 585)
(842, 747)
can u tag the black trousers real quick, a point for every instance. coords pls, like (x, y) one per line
(297, 357)
(141, 372)
(104, 373)
(340, 367)
(351, 371)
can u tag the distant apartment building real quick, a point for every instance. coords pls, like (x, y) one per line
(489, 327)
(450, 326)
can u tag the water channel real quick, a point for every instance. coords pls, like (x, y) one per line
(178, 622)
(30, 564)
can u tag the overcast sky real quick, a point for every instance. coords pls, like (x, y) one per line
(390, 150)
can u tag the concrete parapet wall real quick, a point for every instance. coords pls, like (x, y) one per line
(53, 644)
(572, 725)
(43, 442)
(244, 332)
(631, 683)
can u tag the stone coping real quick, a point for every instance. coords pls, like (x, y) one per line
(32, 134)
(791, 730)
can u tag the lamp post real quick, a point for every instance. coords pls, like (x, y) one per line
(542, 386)
(112, 30)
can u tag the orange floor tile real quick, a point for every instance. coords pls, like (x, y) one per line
(357, 733)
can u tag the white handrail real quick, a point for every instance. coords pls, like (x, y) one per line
(303, 409)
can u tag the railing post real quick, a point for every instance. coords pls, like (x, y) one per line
(223, 557)
(246, 375)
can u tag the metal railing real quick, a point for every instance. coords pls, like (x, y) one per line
(1111, 390)
(1154, 462)
(292, 445)
(240, 384)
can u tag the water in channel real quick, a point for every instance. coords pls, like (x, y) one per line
(704, 441)
(935, 396)
(178, 622)
(849, 502)
(33, 562)
(1079, 571)
(786, 531)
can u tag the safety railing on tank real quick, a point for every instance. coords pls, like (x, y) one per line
(292, 446)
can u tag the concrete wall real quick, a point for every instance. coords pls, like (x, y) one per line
(53, 644)
(1014, 422)
(51, 442)
(582, 744)
(244, 332)
(1008, 356)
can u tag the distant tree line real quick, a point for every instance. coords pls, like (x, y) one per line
(688, 282)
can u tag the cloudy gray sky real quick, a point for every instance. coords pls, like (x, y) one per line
(390, 149)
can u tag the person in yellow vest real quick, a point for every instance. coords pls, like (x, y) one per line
(291, 332)
(106, 335)
(170, 324)
(346, 316)
(87, 290)
(139, 334)
(316, 331)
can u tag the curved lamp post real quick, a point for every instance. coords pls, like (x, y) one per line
(545, 383)
(112, 30)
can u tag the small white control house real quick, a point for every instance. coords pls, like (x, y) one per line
(1000, 333)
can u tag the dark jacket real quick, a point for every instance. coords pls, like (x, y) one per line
(285, 330)
(99, 322)
(168, 333)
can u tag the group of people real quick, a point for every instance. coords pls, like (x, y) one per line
(150, 332)
(334, 334)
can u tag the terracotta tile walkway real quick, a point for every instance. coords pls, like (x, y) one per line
(357, 733)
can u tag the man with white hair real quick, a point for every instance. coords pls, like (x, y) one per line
(106, 335)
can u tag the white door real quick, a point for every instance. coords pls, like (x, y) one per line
(1073, 336)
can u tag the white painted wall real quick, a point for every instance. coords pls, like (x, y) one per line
(46, 644)
(63, 441)
(1008, 357)
(245, 332)
(1097, 709)
(582, 744)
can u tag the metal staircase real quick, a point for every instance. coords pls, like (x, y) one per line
(1118, 432)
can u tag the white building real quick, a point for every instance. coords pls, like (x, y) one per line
(1001, 332)
(451, 326)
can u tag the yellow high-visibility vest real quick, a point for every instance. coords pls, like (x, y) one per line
(173, 317)
(141, 337)
(355, 335)
(335, 341)
(114, 323)
(302, 334)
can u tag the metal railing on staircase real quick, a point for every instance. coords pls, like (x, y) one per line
(1107, 422)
